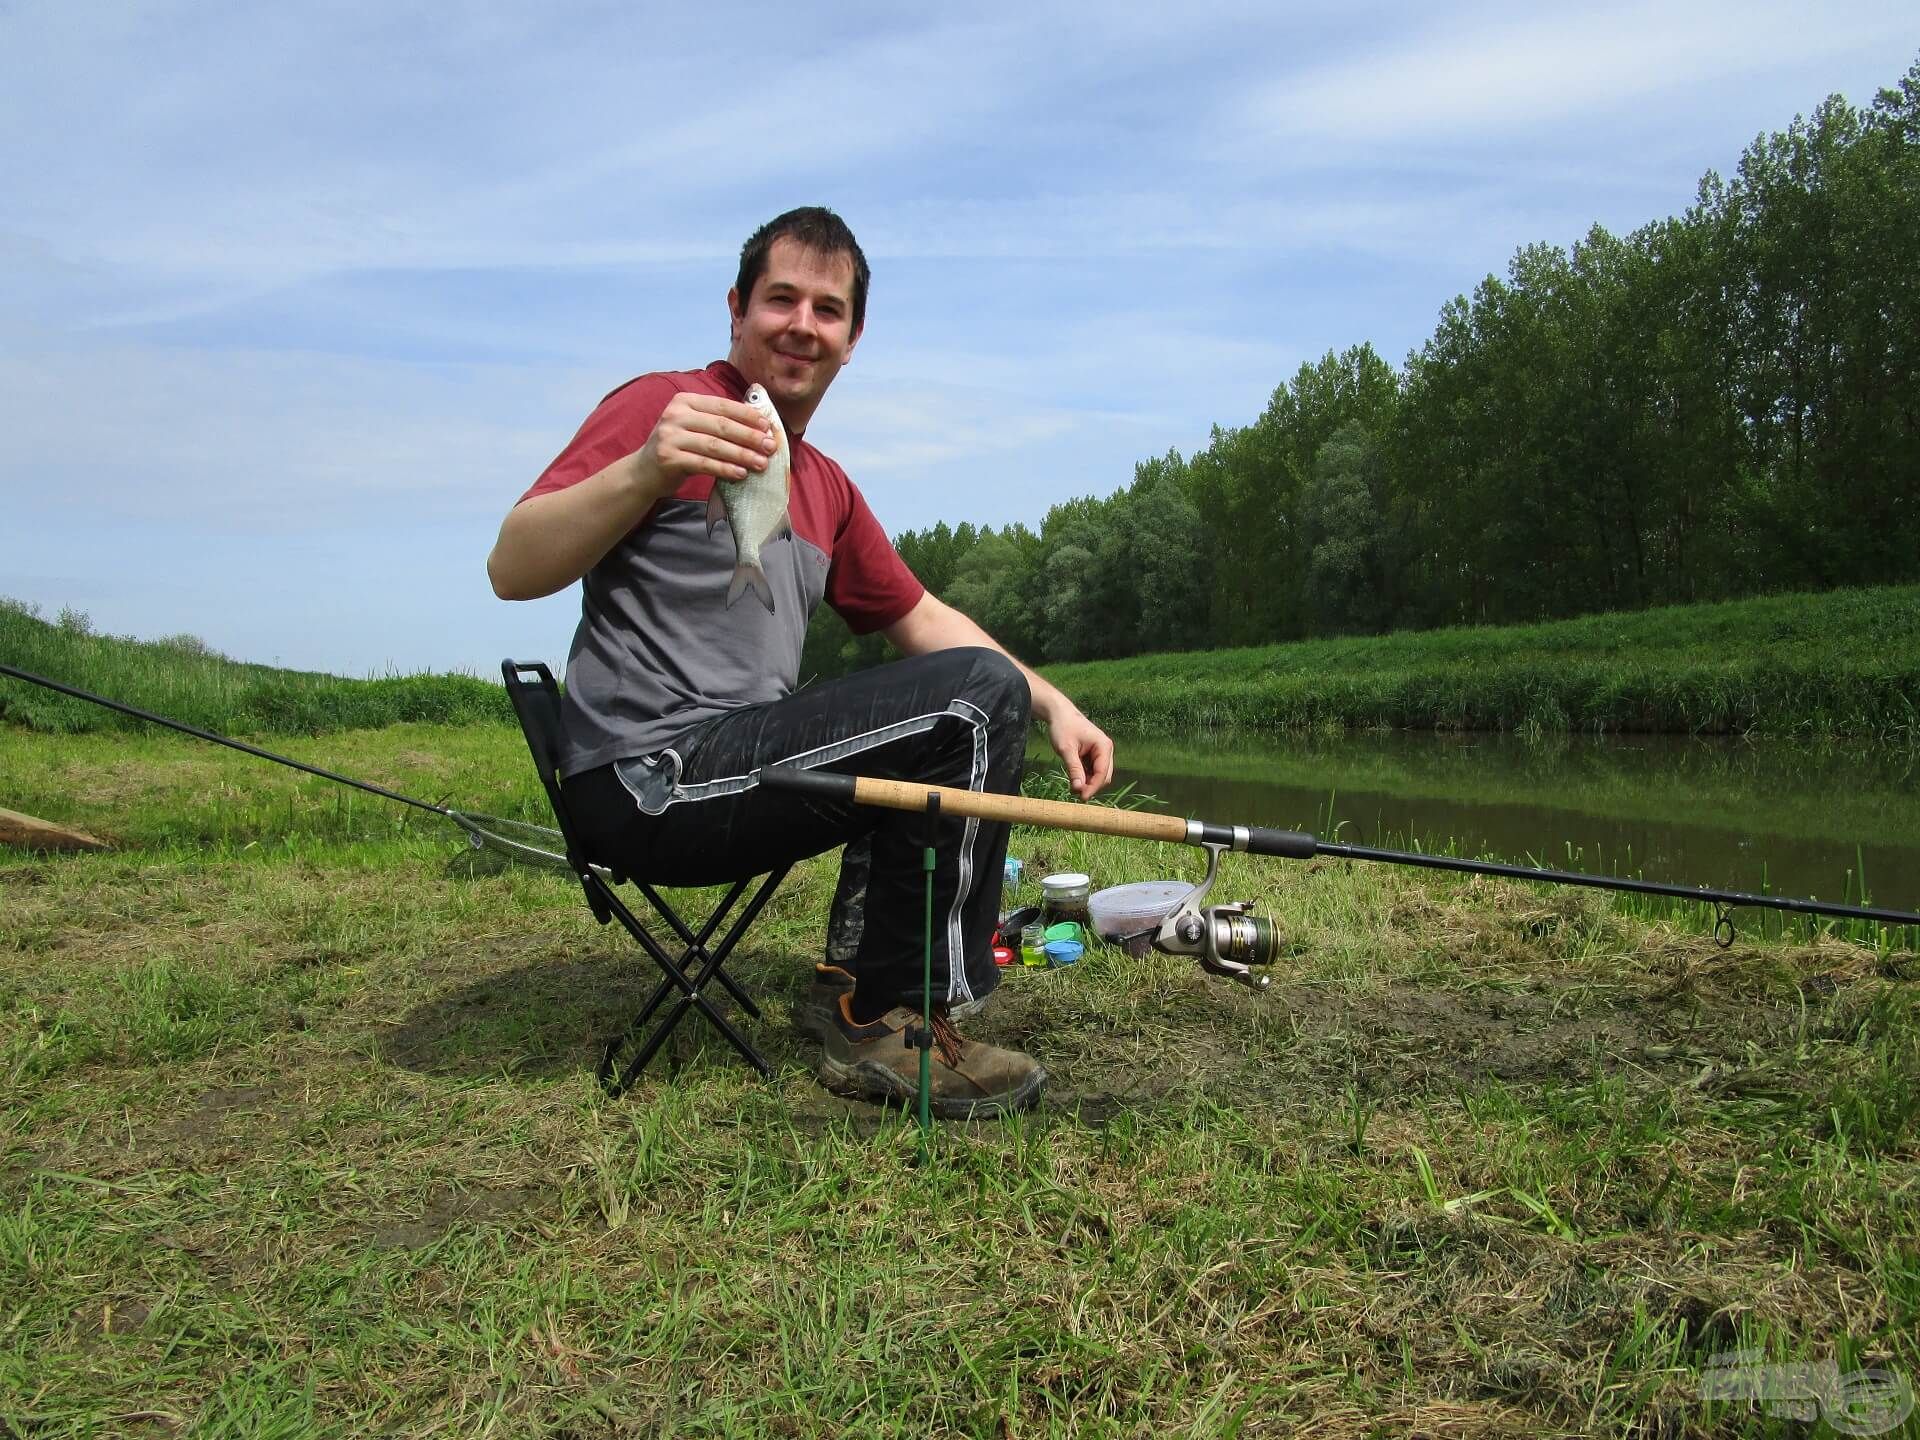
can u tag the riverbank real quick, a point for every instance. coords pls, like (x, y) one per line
(1846, 663)
(1843, 664)
(303, 1136)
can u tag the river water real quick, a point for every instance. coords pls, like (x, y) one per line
(1780, 817)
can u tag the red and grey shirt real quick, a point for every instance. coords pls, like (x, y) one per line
(658, 650)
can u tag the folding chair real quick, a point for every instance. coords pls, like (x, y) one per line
(536, 700)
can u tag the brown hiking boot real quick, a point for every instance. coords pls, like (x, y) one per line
(815, 1015)
(875, 1061)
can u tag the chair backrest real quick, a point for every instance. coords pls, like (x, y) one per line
(536, 701)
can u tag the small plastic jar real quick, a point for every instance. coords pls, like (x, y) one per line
(1065, 897)
(1033, 942)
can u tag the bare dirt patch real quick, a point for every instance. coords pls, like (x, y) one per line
(1689, 1016)
(111, 1317)
(212, 1110)
(446, 1206)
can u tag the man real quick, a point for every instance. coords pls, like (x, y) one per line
(675, 698)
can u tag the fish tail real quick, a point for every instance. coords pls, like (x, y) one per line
(747, 576)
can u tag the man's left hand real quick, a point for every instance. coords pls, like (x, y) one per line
(1083, 747)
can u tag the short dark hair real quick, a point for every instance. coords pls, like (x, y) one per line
(821, 231)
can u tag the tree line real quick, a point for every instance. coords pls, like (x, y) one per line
(1722, 404)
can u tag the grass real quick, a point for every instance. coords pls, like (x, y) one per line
(180, 678)
(1845, 663)
(298, 1134)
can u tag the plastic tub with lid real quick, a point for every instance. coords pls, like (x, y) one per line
(1124, 912)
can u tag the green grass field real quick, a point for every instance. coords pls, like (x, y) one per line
(299, 1136)
(180, 678)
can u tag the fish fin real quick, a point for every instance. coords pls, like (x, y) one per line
(716, 509)
(782, 526)
(750, 577)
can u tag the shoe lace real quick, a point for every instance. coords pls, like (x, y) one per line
(948, 1039)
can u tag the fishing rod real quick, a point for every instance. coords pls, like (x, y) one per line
(1227, 939)
(478, 835)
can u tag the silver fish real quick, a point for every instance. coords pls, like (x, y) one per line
(755, 508)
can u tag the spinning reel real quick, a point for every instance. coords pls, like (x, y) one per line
(1226, 938)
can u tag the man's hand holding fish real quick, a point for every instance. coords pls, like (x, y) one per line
(708, 435)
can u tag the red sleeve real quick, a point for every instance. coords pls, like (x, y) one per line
(868, 582)
(618, 426)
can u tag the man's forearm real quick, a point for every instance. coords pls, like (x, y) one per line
(935, 625)
(1083, 747)
(1047, 697)
(550, 541)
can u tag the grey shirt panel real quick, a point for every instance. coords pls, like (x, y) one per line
(659, 651)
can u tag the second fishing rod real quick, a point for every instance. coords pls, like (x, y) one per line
(1228, 939)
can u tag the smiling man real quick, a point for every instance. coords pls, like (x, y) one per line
(675, 698)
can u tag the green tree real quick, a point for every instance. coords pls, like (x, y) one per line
(997, 584)
(1165, 559)
(1342, 522)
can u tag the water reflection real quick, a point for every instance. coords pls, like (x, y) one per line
(1790, 818)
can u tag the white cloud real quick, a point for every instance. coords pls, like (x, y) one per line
(245, 144)
(1505, 77)
(904, 429)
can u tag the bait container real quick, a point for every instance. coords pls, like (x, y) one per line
(1124, 911)
(1064, 897)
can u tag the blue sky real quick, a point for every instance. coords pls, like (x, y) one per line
(296, 300)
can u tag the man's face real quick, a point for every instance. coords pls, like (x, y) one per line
(795, 331)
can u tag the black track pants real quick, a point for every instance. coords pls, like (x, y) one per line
(954, 717)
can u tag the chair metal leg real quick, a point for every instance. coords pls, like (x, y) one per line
(713, 923)
(665, 1028)
(695, 951)
(675, 976)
